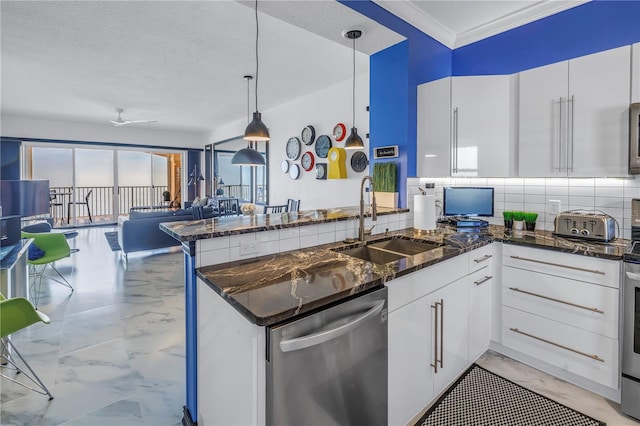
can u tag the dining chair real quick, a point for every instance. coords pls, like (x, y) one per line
(275, 209)
(52, 247)
(293, 205)
(16, 314)
(228, 207)
(80, 203)
(56, 206)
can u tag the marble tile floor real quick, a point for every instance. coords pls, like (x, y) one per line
(114, 351)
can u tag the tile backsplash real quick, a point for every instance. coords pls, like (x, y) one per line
(610, 195)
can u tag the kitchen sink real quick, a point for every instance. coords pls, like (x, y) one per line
(373, 255)
(406, 246)
(390, 250)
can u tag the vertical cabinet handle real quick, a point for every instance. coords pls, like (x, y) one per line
(441, 333)
(572, 105)
(435, 338)
(455, 140)
(560, 135)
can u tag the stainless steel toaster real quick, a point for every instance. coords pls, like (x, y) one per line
(585, 225)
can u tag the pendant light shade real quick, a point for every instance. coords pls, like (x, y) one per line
(248, 157)
(256, 130)
(353, 141)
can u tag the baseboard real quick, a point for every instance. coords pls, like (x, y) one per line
(604, 391)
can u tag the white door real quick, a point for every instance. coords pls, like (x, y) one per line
(481, 114)
(542, 120)
(598, 136)
(410, 356)
(434, 129)
(455, 333)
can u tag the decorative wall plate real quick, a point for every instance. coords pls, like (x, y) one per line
(321, 171)
(323, 145)
(359, 161)
(308, 135)
(293, 148)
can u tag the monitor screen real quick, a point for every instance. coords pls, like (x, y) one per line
(463, 201)
(24, 197)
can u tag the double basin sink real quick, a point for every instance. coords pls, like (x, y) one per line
(390, 250)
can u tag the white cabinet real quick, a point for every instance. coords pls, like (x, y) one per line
(562, 310)
(480, 283)
(573, 116)
(466, 127)
(635, 73)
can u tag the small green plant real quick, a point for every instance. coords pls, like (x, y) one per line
(507, 215)
(530, 217)
(385, 177)
(519, 216)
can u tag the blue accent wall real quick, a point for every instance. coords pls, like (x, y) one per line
(582, 30)
(10, 159)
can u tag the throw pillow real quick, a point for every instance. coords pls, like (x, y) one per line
(196, 202)
(35, 252)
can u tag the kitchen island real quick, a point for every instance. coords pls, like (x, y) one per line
(264, 290)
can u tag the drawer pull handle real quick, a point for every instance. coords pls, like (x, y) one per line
(594, 357)
(483, 280)
(483, 258)
(593, 271)
(557, 300)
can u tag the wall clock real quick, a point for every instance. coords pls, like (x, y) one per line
(337, 163)
(321, 171)
(359, 161)
(293, 148)
(339, 132)
(308, 135)
(323, 144)
(284, 166)
(307, 161)
(294, 171)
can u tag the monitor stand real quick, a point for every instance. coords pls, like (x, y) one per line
(467, 222)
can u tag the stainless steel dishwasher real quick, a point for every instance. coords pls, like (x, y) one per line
(330, 368)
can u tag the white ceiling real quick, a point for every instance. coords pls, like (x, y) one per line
(182, 62)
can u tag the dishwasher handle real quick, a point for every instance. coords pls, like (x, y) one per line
(327, 335)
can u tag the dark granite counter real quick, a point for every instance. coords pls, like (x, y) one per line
(14, 253)
(219, 227)
(275, 288)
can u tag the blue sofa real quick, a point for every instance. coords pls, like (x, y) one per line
(141, 230)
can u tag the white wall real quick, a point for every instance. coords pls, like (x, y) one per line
(30, 127)
(610, 195)
(323, 110)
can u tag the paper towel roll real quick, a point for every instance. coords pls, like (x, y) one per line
(424, 212)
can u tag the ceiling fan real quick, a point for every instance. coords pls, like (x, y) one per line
(120, 122)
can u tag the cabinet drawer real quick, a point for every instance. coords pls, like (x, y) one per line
(417, 284)
(590, 307)
(481, 257)
(576, 267)
(586, 354)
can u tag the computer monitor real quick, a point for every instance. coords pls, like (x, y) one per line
(466, 201)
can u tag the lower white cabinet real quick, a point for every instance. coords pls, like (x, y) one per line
(480, 284)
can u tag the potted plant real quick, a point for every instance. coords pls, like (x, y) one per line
(530, 220)
(508, 219)
(385, 184)
(518, 220)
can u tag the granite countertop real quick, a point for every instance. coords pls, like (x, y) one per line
(17, 250)
(186, 231)
(275, 288)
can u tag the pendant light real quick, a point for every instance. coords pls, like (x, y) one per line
(256, 130)
(248, 156)
(353, 141)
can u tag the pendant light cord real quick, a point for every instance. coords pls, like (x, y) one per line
(353, 92)
(257, 65)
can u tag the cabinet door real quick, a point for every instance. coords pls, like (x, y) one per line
(410, 356)
(481, 126)
(598, 136)
(453, 332)
(480, 283)
(433, 129)
(542, 120)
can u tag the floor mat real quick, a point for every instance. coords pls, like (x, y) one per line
(112, 240)
(480, 397)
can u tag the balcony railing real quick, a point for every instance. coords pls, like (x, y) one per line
(101, 201)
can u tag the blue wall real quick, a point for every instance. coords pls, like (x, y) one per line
(396, 71)
(10, 159)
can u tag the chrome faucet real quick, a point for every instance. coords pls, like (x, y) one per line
(374, 214)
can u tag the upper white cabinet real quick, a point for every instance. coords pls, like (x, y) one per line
(466, 127)
(573, 116)
(635, 73)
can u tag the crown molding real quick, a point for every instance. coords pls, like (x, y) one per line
(413, 15)
(515, 20)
